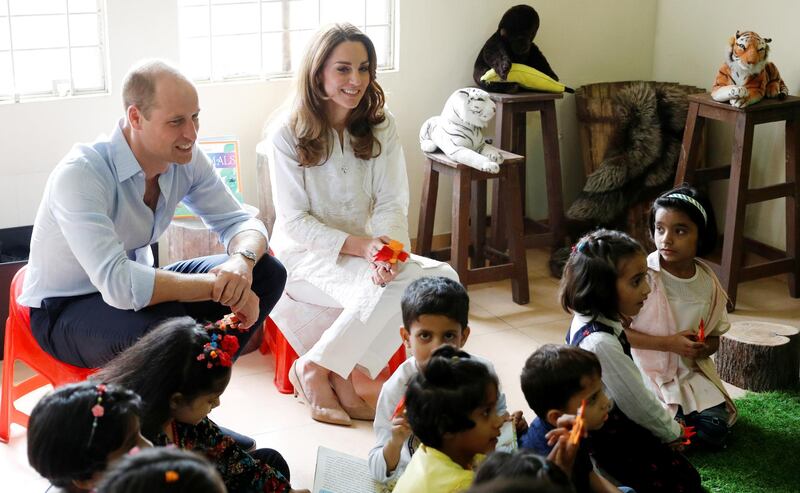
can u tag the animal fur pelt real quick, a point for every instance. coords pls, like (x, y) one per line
(639, 164)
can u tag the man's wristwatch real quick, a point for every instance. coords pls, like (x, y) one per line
(248, 254)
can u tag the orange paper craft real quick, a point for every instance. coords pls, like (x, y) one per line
(688, 433)
(577, 428)
(701, 332)
(392, 253)
(401, 406)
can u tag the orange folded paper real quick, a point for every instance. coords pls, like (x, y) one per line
(688, 433)
(392, 253)
(401, 407)
(701, 332)
(577, 428)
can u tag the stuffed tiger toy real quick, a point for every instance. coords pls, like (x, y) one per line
(458, 131)
(746, 77)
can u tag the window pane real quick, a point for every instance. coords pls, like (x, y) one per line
(39, 32)
(3, 7)
(78, 6)
(83, 30)
(41, 70)
(6, 82)
(189, 3)
(272, 53)
(382, 41)
(236, 56)
(225, 2)
(87, 69)
(38, 7)
(342, 11)
(234, 19)
(194, 21)
(298, 41)
(303, 14)
(378, 12)
(195, 58)
(4, 38)
(271, 16)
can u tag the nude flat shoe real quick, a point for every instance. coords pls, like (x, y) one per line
(359, 409)
(334, 416)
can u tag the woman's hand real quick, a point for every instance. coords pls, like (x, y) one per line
(364, 246)
(683, 343)
(383, 272)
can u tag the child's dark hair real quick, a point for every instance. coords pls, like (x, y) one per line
(441, 397)
(162, 363)
(697, 206)
(162, 470)
(520, 464)
(588, 285)
(553, 374)
(520, 485)
(60, 427)
(435, 296)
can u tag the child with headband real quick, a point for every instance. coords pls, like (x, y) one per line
(666, 336)
(181, 369)
(76, 431)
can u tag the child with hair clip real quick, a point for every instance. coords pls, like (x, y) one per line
(162, 470)
(605, 281)
(668, 346)
(181, 369)
(77, 430)
(523, 464)
(451, 406)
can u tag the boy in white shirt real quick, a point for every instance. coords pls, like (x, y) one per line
(435, 312)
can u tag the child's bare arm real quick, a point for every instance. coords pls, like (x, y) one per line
(400, 433)
(679, 343)
(599, 484)
(710, 347)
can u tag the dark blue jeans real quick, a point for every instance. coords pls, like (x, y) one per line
(710, 424)
(85, 331)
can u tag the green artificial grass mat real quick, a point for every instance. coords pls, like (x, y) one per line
(763, 453)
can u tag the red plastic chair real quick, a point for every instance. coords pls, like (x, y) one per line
(20, 345)
(275, 343)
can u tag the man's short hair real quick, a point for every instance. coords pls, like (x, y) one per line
(139, 85)
(553, 374)
(435, 296)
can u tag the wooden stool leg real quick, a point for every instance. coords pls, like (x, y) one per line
(690, 147)
(793, 203)
(733, 243)
(459, 248)
(518, 146)
(478, 223)
(504, 129)
(511, 185)
(552, 169)
(427, 210)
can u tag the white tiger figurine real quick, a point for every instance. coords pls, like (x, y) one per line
(458, 130)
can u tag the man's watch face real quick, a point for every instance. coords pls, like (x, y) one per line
(247, 254)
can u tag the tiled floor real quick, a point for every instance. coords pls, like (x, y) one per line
(502, 331)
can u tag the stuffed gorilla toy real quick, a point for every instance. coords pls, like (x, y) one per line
(511, 43)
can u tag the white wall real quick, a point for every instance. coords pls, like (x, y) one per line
(584, 40)
(690, 45)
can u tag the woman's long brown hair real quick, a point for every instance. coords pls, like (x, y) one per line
(309, 119)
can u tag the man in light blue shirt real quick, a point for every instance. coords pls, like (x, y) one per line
(90, 282)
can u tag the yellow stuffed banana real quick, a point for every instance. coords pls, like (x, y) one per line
(527, 77)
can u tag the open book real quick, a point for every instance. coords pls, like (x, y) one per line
(338, 472)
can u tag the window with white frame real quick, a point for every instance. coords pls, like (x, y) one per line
(51, 48)
(243, 39)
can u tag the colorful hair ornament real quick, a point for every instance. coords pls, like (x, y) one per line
(691, 201)
(220, 350)
(171, 476)
(97, 410)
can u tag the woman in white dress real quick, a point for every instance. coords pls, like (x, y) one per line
(340, 190)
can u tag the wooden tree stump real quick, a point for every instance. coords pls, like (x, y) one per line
(760, 356)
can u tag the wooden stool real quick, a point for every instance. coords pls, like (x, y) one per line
(509, 133)
(731, 270)
(469, 181)
(759, 356)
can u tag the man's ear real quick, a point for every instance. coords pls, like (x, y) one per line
(406, 336)
(465, 335)
(135, 117)
(552, 416)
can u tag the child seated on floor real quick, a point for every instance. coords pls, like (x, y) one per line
(78, 430)
(685, 292)
(181, 369)
(162, 470)
(604, 281)
(451, 405)
(556, 380)
(525, 464)
(435, 312)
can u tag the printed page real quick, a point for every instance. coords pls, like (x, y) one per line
(338, 472)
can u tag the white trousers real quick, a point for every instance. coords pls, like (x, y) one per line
(370, 344)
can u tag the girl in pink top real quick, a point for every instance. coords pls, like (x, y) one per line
(667, 342)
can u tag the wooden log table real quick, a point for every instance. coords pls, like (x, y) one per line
(760, 356)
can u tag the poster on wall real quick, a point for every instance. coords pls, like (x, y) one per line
(224, 155)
